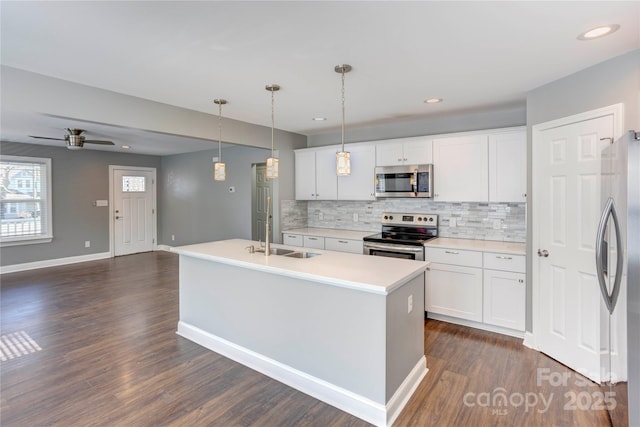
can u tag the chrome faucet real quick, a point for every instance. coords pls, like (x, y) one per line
(267, 247)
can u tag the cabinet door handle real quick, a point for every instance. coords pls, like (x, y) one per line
(520, 281)
(452, 252)
(503, 257)
(399, 160)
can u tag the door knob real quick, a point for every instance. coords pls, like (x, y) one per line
(119, 217)
(543, 253)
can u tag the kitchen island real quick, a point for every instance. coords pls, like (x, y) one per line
(344, 328)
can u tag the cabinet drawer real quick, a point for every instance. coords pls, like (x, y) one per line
(504, 262)
(314, 242)
(343, 245)
(454, 256)
(292, 239)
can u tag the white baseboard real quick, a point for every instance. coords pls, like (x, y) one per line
(166, 248)
(53, 262)
(477, 325)
(353, 403)
(530, 341)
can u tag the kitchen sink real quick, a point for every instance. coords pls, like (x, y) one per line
(302, 255)
(280, 251)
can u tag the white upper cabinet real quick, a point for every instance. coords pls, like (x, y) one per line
(508, 167)
(315, 174)
(461, 168)
(360, 184)
(404, 151)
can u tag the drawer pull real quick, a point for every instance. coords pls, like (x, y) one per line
(503, 257)
(452, 252)
(343, 241)
(312, 238)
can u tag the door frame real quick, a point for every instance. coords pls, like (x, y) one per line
(617, 110)
(154, 220)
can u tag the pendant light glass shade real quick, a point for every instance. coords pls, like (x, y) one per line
(219, 168)
(343, 158)
(272, 162)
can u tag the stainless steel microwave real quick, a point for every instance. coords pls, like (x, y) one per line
(404, 181)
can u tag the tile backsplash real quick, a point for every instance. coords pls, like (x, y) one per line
(465, 220)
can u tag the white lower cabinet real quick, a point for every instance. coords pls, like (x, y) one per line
(484, 287)
(504, 290)
(343, 245)
(504, 299)
(314, 242)
(293, 239)
(454, 290)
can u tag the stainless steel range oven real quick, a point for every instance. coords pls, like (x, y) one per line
(403, 235)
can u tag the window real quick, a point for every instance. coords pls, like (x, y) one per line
(25, 210)
(133, 184)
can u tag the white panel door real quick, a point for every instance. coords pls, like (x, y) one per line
(566, 183)
(134, 211)
(259, 205)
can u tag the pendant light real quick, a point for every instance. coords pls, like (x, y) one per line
(219, 168)
(343, 158)
(272, 162)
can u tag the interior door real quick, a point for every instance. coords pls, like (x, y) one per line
(261, 191)
(566, 188)
(134, 210)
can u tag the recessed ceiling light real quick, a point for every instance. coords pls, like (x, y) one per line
(432, 100)
(319, 119)
(126, 147)
(599, 31)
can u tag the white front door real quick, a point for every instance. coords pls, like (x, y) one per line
(133, 210)
(566, 209)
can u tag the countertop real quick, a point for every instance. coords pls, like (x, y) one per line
(378, 275)
(331, 233)
(478, 245)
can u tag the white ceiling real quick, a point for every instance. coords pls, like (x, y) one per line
(476, 55)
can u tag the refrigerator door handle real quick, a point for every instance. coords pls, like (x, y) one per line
(601, 258)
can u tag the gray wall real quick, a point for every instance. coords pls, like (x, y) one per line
(611, 82)
(508, 116)
(195, 208)
(79, 178)
(23, 91)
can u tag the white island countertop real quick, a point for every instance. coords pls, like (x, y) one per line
(378, 275)
(478, 245)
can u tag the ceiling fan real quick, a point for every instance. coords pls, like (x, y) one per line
(75, 140)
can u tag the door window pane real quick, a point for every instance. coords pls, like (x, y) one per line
(133, 184)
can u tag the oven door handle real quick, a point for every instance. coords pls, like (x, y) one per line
(403, 248)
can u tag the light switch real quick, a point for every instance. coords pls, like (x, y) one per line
(101, 203)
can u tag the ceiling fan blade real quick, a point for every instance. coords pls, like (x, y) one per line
(90, 141)
(46, 137)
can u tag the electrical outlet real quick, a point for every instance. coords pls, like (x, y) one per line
(173, 237)
(321, 216)
(87, 243)
(410, 304)
(355, 217)
(497, 224)
(453, 223)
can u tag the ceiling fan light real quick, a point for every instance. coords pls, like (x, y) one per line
(219, 171)
(343, 163)
(272, 168)
(74, 147)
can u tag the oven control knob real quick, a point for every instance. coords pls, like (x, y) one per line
(390, 216)
(386, 217)
(419, 218)
(431, 219)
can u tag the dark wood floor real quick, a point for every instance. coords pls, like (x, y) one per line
(105, 353)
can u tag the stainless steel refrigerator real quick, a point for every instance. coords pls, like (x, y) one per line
(618, 270)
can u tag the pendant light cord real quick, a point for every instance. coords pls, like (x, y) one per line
(342, 110)
(220, 132)
(273, 120)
